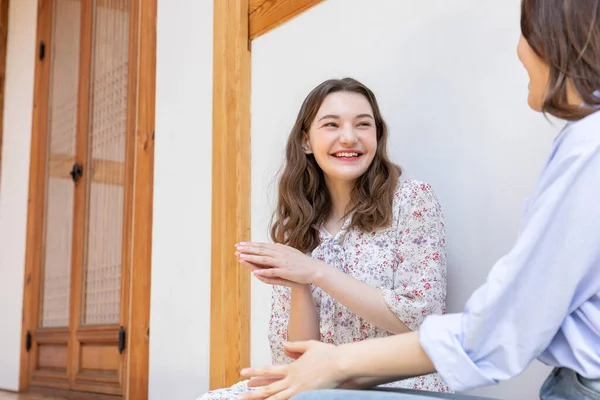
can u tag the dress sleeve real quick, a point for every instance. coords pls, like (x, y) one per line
(280, 315)
(419, 287)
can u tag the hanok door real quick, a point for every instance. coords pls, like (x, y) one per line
(85, 120)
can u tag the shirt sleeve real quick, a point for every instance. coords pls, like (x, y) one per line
(420, 277)
(513, 317)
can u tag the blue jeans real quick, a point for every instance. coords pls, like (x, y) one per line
(561, 384)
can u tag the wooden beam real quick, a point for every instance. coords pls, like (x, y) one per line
(3, 42)
(254, 4)
(272, 13)
(230, 284)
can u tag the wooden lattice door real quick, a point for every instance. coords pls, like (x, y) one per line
(85, 120)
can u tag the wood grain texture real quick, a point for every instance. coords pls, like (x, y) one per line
(254, 4)
(35, 206)
(230, 284)
(3, 42)
(143, 189)
(86, 57)
(272, 13)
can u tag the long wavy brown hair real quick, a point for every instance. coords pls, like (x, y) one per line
(565, 34)
(304, 202)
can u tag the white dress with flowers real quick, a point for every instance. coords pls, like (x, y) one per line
(406, 261)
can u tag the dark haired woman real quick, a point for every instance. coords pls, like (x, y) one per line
(542, 300)
(359, 253)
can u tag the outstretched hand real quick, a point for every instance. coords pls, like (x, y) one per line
(278, 264)
(314, 369)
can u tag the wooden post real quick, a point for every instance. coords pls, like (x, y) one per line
(230, 283)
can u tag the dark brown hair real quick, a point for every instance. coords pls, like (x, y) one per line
(565, 34)
(304, 202)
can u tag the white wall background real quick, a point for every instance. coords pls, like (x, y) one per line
(180, 313)
(454, 95)
(14, 182)
(448, 82)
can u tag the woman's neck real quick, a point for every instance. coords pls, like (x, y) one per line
(340, 193)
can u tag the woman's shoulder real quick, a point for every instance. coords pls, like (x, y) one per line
(413, 195)
(413, 188)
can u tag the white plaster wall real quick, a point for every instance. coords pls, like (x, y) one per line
(180, 298)
(14, 182)
(454, 94)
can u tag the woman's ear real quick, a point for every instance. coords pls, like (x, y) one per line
(306, 144)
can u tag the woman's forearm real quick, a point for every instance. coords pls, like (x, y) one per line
(362, 299)
(394, 357)
(304, 321)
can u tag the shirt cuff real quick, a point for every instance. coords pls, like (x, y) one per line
(440, 336)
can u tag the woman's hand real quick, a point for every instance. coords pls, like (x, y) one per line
(279, 263)
(314, 369)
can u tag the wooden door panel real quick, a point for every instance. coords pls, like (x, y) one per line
(78, 344)
(93, 108)
(99, 366)
(98, 361)
(48, 364)
(50, 367)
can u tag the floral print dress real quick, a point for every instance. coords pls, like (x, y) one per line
(406, 261)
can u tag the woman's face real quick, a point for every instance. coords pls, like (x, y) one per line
(538, 71)
(343, 136)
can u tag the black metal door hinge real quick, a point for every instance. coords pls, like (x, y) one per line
(121, 340)
(77, 172)
(28, 341)
(42, 50)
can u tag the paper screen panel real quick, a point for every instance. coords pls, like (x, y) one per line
(62, 126)
(108, 122)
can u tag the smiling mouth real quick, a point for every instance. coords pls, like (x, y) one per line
(347, 155)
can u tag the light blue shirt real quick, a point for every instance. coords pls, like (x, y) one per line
(541, 300)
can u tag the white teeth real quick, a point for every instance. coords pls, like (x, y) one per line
(346, 155)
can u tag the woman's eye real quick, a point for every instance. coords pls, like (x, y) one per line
(332, 124)
(365, 123)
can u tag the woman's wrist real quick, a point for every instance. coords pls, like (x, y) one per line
(302, 289)
(319, 272)
(342, 364)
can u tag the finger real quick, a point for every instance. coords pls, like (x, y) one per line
(278, 282)
(263, 381)
(292, 354)
(261, 249)
(258, 260)
(297, 347)
(269, 272)
(265, 391)
(273, 370)
(273, 281)
(284, 394)
(252, 267)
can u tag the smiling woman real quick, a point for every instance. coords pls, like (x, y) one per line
(346, 224)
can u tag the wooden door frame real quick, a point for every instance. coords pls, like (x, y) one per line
(136, 380)
(236, 24)
(3, 43)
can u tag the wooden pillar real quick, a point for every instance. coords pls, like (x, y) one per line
(230, 283)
